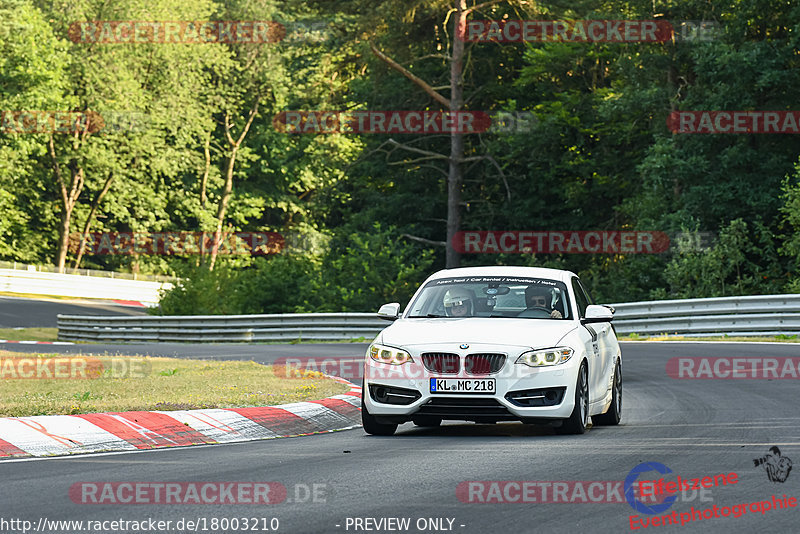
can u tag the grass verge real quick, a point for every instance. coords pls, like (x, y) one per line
(29, 334)
(124, 383)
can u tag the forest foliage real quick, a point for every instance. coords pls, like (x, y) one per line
(364, 219)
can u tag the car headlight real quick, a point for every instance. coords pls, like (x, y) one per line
(546, 357)
(390, 355)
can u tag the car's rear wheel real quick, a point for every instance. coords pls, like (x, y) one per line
(427, 421)
(578, 420)
(371, 425)
(614, 413)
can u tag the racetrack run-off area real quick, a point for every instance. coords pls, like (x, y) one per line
(694, 427)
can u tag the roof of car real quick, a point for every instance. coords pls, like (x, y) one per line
(502, 270)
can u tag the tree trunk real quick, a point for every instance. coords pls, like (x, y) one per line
(455, 174)
(206, 169)
(203, 195)
(98, 199)
(223, 205)
(69, 197)
(63, 236)
(228, 189)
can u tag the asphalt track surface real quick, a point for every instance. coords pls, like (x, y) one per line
(695, 427)
(16, 312)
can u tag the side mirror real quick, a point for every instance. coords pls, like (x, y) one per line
(597, 314)
(390, 312)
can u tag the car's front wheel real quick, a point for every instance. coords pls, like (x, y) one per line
(371, 425)
(578, 420)
(614, 413)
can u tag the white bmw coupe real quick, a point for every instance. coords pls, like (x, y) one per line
(489, 344)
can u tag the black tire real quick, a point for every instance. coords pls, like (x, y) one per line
(427, 421)
(371, 425)
(577, 421)
(614, 413)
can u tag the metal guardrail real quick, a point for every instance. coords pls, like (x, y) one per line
(740, 316)
(758, 315)
(221, 328)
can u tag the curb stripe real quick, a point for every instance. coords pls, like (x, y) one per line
(319, 416)
(45, 435)
(349, 399)
(340, 406)
(147, 430)
(277, 420)
(129, 303)
(63, 435)
(7, 450)
(221, 426)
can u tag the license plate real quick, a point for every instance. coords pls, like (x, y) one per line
(462, 385)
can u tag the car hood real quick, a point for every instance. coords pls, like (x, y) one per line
(534, 333)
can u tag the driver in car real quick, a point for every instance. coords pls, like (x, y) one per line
(537, 296)
(458, 302)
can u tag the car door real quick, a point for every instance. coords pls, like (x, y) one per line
(590, 337)
(607, 348)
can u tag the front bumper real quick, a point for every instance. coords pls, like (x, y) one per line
(400, 393)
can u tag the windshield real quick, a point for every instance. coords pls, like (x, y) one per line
(492, 296)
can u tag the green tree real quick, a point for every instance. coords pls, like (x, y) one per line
(33, 77)
(790, 211)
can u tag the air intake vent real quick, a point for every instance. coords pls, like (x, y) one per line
(484, 364)
(470, 409)
(393, 395)
(537, 397)
(441, 362)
